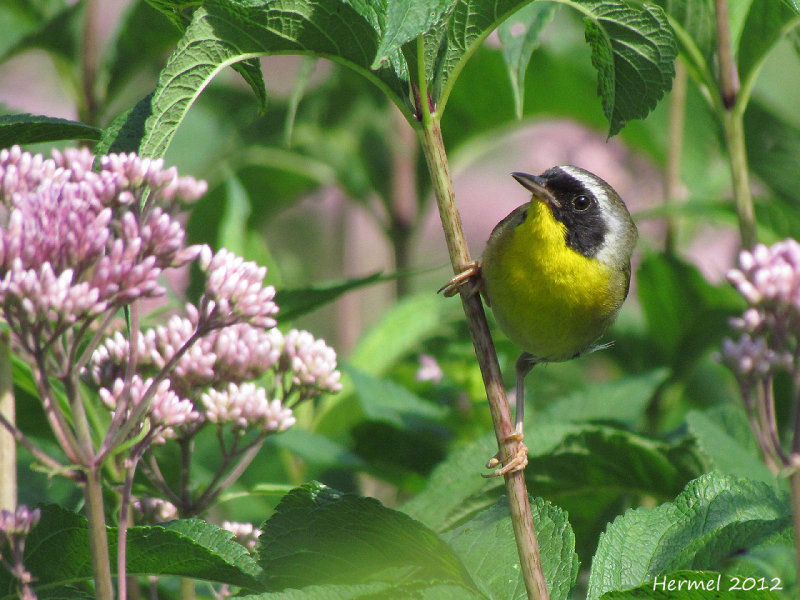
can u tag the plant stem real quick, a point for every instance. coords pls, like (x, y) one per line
(519, 504)
(794, 483)
(674, 191)
(98, 537)
(733, 124)
(728, 76)
(8, 445)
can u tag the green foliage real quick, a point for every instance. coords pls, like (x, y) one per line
(191, 548)
(711, 519)
(29, 129)
(640, 423)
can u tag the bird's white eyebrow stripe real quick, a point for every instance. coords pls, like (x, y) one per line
(589, 182)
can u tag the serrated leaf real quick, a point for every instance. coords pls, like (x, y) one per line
(320, 536)
(520, 35)
(726, 453)
(225, 33)
(33, 129)
(57, 552)
(634, 52)
(564, 460)
(697, 19)
(486, 545)
(694, 585)
(714, 517)
(405, 21)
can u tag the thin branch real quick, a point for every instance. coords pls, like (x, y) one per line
(519, 504)
(9, 433)
(728, 75)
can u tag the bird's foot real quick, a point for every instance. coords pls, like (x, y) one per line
(469, 279)
(517, 462)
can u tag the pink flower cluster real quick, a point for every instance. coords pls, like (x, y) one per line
(166, 411)
(313, 363)
(74, 242)
(246, 406)
(768, 278)
(154, 510)
(19, 521)
(244, 533)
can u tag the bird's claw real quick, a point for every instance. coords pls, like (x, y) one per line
(517, 463)
(469, 278)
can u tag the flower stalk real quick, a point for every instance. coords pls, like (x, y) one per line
(8, 445)
(430, 134)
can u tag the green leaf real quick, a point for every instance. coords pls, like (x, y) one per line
(697, 22)
(622, 401)
(686, 315)
(405, 21)
(125, 133)
(401, 330)
(713, 518)
(727, 454)
(224, 33)
(520, 36)
(32, 129)
(316, 449)
(486, 545)
(697, 585)
(772, 143)
(297, 302)
(634, 52)
(320, 536)
(384, 401)
(565, 460)
(766, 24)
(57, 552)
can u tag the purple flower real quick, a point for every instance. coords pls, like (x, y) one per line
(312, 362)
(244, 533)
(235, 291)
(246, 406)
(19, 521)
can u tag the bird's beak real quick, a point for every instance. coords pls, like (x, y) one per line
(538, 187)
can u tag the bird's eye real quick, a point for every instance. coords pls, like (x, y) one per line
(581, 202)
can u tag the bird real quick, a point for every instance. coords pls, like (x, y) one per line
(555, 273)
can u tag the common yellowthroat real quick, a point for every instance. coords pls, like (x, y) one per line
(555, 272)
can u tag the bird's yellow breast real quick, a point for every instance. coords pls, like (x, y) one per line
(550, 300)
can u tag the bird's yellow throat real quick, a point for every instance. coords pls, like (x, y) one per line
(551, 300)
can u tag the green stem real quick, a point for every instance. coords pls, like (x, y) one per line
(733, 126)
(98, 537)
(8, 445)
(794, 483)
(519, 504)
(674, 186)
(187, 589)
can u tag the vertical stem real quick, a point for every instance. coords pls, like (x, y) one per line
(187, 589)
(8, 445)
(98, 537)
(677, 113)
(89, 62)
(733, 125)
(403, 201)
(728, 76)
(794, 483)
(519, 504)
